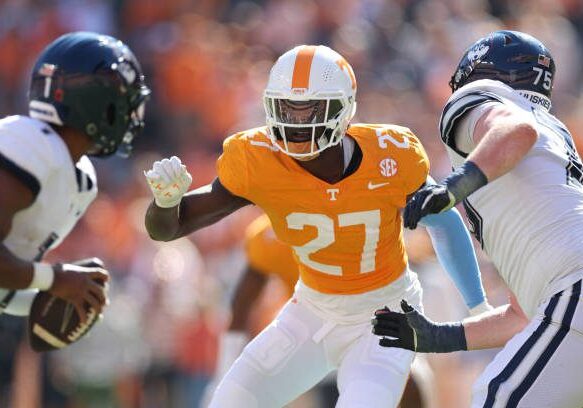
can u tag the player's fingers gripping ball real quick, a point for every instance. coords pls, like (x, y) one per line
(55, 322)
(169, 180)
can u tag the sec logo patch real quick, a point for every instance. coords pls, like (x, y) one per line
(388, 167)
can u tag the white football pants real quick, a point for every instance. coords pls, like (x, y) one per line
(299, 348)
(542, 366)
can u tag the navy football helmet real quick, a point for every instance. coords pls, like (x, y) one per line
(92, 83)
(517, 59)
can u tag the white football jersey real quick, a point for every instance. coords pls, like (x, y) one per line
(529, 221)
(32, 151)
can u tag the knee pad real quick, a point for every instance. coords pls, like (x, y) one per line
(231, 394)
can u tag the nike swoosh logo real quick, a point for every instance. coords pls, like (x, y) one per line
(372, 186)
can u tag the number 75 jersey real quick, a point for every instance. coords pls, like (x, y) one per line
(347, 236)
(530, 220)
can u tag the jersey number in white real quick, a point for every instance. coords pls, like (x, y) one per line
(325, 227)
(545, 76)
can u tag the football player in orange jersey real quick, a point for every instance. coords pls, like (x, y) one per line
(333, 192)
(268, 256)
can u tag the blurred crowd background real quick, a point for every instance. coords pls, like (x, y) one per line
(207, 62)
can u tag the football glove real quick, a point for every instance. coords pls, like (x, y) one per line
(436, 198)
(413, 331)
(169, 181)
(431, 199)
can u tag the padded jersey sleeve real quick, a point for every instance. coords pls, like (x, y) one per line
(232, 167)
(459, 104)
(25, 152)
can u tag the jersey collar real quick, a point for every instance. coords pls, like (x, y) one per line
(536, 99)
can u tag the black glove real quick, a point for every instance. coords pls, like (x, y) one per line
(431, 199)
(436, 198)
(413, 331)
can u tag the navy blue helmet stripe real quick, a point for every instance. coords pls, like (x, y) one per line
(513, 364)
(546, 355)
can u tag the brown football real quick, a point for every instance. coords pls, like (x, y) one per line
(54, 323)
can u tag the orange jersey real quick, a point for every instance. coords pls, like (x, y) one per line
(347, 236)
(268, 255)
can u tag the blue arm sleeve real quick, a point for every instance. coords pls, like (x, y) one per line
(454, 249)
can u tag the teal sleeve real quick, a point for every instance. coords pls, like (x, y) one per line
(454, 249)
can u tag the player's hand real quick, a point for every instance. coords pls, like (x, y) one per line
(413, 331)
(431, 199)
(396, 325)
(169, 181)
(84, 284)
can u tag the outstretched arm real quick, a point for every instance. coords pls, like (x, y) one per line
(175, 213)
(414, 331)
(495, 328)
(503, 136)
(454, 249)
(197, 209)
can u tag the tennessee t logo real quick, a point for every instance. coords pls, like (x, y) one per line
(344, 66)
(333, 192)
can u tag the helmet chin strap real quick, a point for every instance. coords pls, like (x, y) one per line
(347, 144)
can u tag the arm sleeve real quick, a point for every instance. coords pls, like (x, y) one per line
(454, 249)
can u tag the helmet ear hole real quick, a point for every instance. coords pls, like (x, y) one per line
(110, 114)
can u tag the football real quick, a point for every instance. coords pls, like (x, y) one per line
(54, 323)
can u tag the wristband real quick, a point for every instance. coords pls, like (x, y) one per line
(465, 180)
(43, 276)
(447, 337)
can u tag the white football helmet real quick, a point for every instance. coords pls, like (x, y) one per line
(309, 100)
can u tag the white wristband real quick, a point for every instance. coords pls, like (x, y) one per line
(43, 276)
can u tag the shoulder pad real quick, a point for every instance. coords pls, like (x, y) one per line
(458, 104)
(26, 150)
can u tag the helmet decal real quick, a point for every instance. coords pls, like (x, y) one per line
(478, 51)
(302, 67)
(309, 100)
(514, 58)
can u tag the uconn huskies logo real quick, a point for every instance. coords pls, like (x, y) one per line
(478, 51)
(388, 167)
